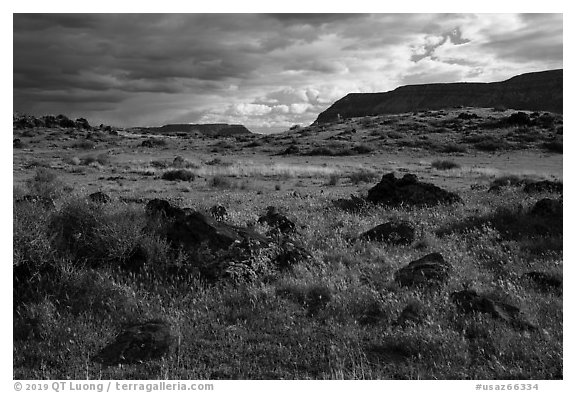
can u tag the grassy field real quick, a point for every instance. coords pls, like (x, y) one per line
(333, 316)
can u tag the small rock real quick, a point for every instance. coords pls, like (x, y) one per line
(469, 301)
(410, 192)
(138, 343)
(99, 197)
(401, 232)
(429, 269)
(162, 207)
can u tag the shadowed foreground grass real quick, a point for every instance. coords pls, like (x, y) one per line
(334, 316)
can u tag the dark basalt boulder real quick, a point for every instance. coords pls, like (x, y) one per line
(138, 343)
(401, 232)
(195, 228)
(99, 197)
(277, 221)
(409, 191)
(161, 207)
(430, 269)
(548, 208)
(544, 186)
(469, 301)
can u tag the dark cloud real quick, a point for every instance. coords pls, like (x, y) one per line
(313, 19)
(270, 69)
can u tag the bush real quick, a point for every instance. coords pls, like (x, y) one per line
(221, 182)
(84, 145)
(334, 179)
(362, 149)
(101, 159)
(46, 184)
(453, 148)
(491, 145)
(88, 234)
(179, 174)
(363, 176)
(154, 142)
(444, 164)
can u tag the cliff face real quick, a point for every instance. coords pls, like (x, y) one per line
(219, 129)
(538, 91)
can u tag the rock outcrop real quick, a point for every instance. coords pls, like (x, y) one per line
(430, 269)
(408, 191)
(138, 343)
(537, 91)
(391, 232)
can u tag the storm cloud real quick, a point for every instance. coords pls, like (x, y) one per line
(266, 71)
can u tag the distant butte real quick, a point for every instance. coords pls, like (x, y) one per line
(536, 91)
(217, 129)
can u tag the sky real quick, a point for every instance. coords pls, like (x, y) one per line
(265, 71)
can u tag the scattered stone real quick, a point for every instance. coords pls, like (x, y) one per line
(277, 220)
(544, 186)
(469, 301)
(162, 207)
(99, 197)
(218, 212)
(409, 191)
(545, 281)
(429, 269)
(192, 229)
(138, 343)
(401, 232)
(551, 208)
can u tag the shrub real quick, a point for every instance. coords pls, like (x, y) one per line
(154, 142)
(491, 145)
(334, 179)
(84, 145)
(363, 176)
(444, 164)
(219, 181)
(89, 233)
(179, 174)
(101, 159)
(362, 149)
(46, 184)
(453, 148)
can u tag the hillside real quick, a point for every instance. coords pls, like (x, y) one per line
(538, 91)
(217, 129)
